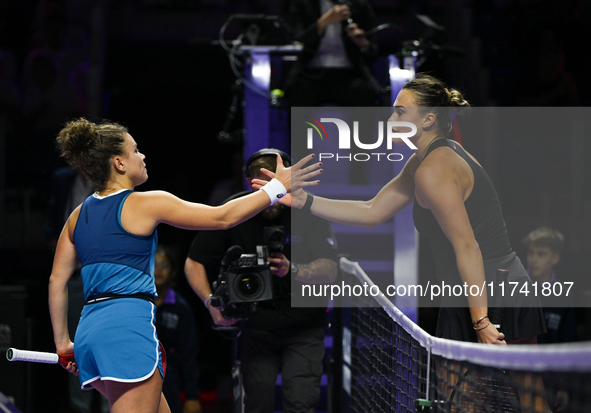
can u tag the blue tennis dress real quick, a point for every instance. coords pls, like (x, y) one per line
(116, 339)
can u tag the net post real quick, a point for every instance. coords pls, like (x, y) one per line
(427, 380)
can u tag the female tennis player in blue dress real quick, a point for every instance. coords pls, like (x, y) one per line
(455, 206)
(113, 237)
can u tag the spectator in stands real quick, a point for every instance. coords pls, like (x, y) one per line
(333, 66)
(544, 246)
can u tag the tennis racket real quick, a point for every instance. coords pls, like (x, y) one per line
(13, 354)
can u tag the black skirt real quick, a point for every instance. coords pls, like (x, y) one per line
(522, 315)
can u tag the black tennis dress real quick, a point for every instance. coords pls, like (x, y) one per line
(522, 315)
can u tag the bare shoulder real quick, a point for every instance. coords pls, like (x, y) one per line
(159, 206)
(150, 198)
(411, 165)
(143, 211)
(150, 195)
(72, 220)
(439, 165)
(405, 179)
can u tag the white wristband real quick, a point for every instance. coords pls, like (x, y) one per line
(275, 190)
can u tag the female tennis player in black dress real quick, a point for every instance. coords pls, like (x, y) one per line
(456, 207)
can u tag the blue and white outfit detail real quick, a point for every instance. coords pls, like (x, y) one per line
(116, 338)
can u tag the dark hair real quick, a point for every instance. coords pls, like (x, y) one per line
(265, 158)
(88, 147)
(172, 258)
(545, 237)
(432, 93)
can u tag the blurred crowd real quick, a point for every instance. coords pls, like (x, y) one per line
(43, 81)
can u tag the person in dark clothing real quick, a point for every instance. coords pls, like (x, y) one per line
(333, 66)
(175, 325)
(455, 206)
(277, 337)
(544, 246)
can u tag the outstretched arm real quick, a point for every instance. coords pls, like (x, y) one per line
(143, 211)
(441, 190)
(392, 198)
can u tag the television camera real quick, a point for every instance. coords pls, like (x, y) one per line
(246, 279)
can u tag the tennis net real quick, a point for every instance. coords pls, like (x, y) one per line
(390, 364)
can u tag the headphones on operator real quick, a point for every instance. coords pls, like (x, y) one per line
(260, 154)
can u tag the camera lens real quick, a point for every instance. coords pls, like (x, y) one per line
(249, 285)
(275, 238)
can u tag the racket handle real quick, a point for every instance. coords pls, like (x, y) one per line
(66, 358)
(13, 354)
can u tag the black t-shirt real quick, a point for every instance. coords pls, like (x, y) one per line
(312, 238)
(561, 318)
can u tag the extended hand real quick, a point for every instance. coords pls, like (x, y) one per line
(294, 177)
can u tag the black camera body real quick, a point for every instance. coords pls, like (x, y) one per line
(249, 284)
(246, 279)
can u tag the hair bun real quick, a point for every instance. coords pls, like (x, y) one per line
(77, 137)
(455, 98)
(88, 147)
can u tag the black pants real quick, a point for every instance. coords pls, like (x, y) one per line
(297, 354)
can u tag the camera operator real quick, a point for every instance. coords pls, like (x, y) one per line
(276, 337)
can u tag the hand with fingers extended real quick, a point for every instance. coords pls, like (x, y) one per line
(293, 178)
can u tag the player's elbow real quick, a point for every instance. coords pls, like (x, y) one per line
(367, 218)
(227, 224)
(56, 283)
(224, 219)
(371, 222)
(467, 248)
